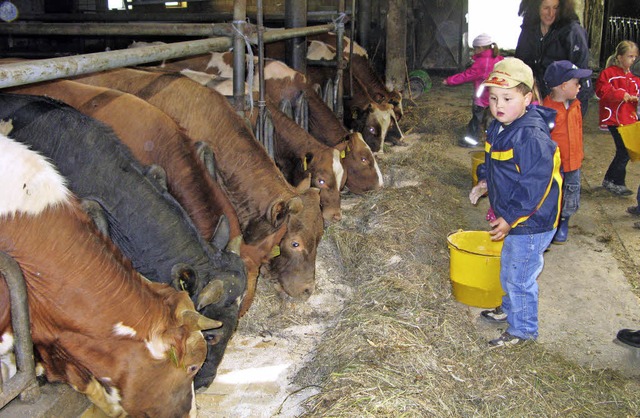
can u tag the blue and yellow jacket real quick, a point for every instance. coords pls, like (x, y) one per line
(523, 172)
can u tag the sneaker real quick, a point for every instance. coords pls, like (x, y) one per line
(495, 316)
(620, 190)
(629, 337)
(505, 340)
(634, 210)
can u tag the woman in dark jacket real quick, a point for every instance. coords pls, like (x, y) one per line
(551, 32)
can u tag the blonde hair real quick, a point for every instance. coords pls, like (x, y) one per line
(622, 48)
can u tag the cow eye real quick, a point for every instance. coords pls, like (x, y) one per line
(372, 130)
(192, 369)
(364, 159)
(295, 244)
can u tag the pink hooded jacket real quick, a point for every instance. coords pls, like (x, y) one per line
(482, 65)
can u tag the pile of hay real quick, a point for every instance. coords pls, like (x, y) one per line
(402, 345)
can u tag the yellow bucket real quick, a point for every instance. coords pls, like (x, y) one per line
(474, 268)
(477, 158)
(631, 137)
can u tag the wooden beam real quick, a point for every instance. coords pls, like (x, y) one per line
(396, 45)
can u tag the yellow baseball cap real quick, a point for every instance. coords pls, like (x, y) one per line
(508, 73)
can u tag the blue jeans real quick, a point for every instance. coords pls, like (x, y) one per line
(521, 262)
(571, 193)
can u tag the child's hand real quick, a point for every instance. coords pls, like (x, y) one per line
(630, 98)
(478, 191)
(500, 229)
(444, 82)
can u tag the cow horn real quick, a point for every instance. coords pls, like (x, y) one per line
(212, 293)
(234, 245)
(220, 237)
(197, 322)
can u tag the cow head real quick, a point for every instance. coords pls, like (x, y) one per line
(294, 268)
(362, 171)
(373, 122)
(137, 372)
(327, 175)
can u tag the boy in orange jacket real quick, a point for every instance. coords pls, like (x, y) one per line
(563, 80)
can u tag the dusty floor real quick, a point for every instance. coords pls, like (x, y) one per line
(586, 292)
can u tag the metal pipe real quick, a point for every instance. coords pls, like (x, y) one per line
(130, 16)
(48, 69)
(364, 23)
(261, 82)
(351, 31)
(239, 56)
(116, 29)
(24, 382)
(296, 48)
(20, 73)
(340, 62)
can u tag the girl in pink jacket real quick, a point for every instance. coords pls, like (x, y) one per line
(485, 54)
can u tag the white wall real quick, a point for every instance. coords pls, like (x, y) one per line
(498, 18)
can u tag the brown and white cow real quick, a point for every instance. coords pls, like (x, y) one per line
(155, 138)
(361, 68)
(260, 194)
(298, 155)
(363, 173)
(132, 346)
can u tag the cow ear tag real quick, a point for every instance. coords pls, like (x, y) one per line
(343, 154)
(275, 251)
(304, 164)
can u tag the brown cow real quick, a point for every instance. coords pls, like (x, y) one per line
(360, 68)
(132, 346)
(154, 138)
(363, 173)
(260, 194)
(373, 117)
(298, 155)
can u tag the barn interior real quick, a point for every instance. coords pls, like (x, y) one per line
(402, 38)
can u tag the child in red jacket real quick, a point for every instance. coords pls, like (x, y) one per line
(485, 54)
(617, 88)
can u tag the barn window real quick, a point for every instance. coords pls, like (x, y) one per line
(498, 18)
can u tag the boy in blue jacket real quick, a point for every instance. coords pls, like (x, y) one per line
(522, 175)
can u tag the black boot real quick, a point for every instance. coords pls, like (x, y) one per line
(562, 234)
(629, 337)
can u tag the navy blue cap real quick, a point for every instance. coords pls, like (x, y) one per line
(560, 71)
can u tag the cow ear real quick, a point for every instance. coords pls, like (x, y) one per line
(304, 185)
(157, 175)
(204, 152)
(221, 235)
(183, 277)
(97, 215)
(378, 98)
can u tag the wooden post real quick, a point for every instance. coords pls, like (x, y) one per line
(396, 44)
(593, 22)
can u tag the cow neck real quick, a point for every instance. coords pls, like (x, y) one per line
(158, 84)
(22, 117)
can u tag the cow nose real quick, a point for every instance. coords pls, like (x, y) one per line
(306, 293)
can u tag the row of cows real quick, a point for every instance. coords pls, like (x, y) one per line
(141, 210)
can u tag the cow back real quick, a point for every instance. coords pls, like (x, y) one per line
(144, 220)
(72, 270)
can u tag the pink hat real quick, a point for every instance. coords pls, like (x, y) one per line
(483, 39)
